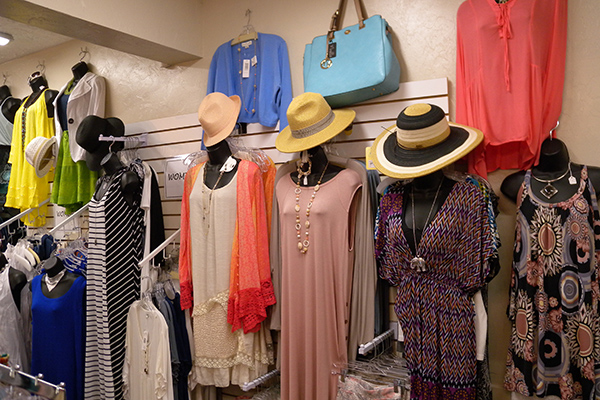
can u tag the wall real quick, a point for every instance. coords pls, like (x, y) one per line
(424, 33)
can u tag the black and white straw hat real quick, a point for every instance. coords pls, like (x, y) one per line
(421, 142)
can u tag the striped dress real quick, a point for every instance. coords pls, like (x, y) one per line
(435, 307)
(115, 248)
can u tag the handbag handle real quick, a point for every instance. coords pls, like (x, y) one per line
(333, 27)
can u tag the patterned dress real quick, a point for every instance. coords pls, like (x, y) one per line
(435, 307)
(555, 339)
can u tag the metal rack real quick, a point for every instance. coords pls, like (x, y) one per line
(33, 384)
(260, 380)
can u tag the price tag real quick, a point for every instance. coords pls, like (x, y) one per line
(246, 69)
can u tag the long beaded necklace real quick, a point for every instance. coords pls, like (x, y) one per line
(303, 244)
(418, 263)
(252, 64)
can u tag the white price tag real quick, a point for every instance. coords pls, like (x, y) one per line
(254, 61)
(246, 69)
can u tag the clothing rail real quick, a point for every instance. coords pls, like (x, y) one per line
(260, 380)
(159, 248)
(24, 213)
(364, 349)
(141, 139)
(34, 385)
(69, 218)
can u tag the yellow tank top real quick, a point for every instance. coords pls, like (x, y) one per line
(25, 189)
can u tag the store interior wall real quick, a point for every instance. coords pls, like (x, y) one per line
(424, 35)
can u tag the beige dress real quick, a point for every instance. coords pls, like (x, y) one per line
(222, 357)
(316, 286)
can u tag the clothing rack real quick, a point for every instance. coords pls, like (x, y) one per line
(69, 218)
(141, 140)
(260, 380)
(364, 349)
(35, 385)
(24, 213)
(160, 248)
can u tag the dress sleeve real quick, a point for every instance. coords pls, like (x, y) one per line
(386, 251)
(185, 255)
(284, 97)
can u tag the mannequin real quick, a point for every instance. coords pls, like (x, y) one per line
(424, 189)
(10, 106)
(130, 182)
(54, 266)
(79, 70)
(318, 160)
(217, 155)
(37, 85)
(17, 280)
(554, 161)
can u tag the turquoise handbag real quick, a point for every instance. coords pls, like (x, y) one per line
(352, 64)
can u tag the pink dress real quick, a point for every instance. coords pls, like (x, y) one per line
(316, 286)
(510, 68)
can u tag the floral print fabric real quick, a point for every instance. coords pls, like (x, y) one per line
(555, 339)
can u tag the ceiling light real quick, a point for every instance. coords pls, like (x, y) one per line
(5, 38)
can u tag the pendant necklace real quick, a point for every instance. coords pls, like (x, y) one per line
(418, 263)
(52, 281)
(303, 244)
(549, 190)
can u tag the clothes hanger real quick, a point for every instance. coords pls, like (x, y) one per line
(248, 33)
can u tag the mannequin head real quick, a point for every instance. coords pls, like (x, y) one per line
(4, 92)
(79, 70)
(37, 82)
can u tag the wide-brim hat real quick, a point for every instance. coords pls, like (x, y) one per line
(311, 123)
(41, 153)
(87, 136)
(218, 115)
(422, 142)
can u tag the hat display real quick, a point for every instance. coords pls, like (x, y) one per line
(87, 136)
(311, 123)
(422, 142)
(217, 115)
(41, 153)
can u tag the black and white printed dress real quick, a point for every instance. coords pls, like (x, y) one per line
(115, 249)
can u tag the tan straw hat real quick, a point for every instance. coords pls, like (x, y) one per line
(217, 115)
(421, 142)
(311, 123)
(41, 153)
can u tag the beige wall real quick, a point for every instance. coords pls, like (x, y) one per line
(424, 33)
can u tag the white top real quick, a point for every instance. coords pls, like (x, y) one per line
(12, 339)
(147, 368)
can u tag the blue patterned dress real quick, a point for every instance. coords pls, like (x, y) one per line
(555, 339)
(435, 307)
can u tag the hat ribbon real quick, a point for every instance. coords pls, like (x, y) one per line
(314, 128)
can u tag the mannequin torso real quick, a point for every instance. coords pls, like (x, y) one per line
(217, 155)
(17, 280)
(553, 163)
(318, 160)
(10, 106)
(79, 70)
(424, 190)
(54, 266)
(129, 180)
(38, 84)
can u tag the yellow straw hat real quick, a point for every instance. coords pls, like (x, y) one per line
(311, 123)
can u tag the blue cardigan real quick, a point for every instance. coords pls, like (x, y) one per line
(268, 101)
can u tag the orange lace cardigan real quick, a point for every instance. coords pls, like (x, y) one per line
(250, 286)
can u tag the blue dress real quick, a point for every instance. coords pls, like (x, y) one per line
(58, 336)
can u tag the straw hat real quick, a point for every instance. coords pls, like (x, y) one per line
(87, 136)
(217, 115)
(311, 123)
(41, 153)
(421, 142)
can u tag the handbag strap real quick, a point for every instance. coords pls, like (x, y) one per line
(333, 26)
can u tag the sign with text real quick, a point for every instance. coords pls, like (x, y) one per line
(175, 171)
(59, 216)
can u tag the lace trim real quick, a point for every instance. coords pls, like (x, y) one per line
(220, 299)
(239, 359)
(248, 307)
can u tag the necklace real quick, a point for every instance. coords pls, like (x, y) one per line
(206, 209)
(549, 190)
(418, 263)
(303, 244)
(301, 173)
(246, 69)
(52, 281)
